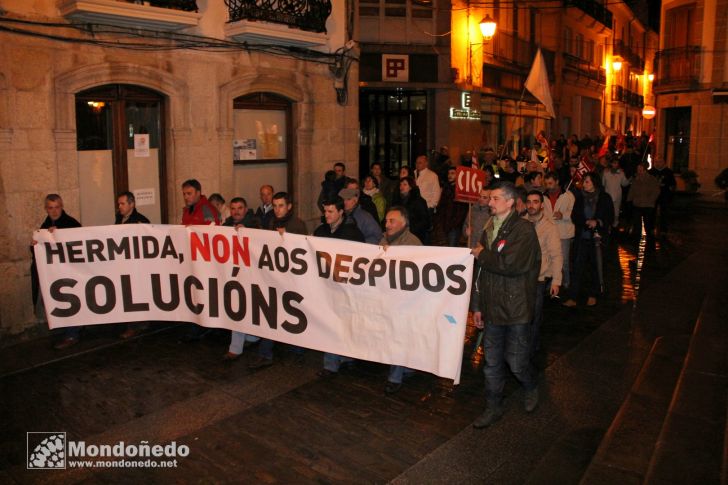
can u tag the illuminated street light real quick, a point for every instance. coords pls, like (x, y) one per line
(487, 27)
(651, 77)
(617, 65)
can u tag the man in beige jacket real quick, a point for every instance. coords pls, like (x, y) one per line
(561, 203)
(549, 278)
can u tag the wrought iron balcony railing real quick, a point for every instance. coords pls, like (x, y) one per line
(678, 68)
(584, 68)
(309, 15)
(595, 9)
(633, 59)
(511, 50)
(617, 93)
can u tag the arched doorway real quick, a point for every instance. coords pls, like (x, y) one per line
(262, 144)
(120, 145)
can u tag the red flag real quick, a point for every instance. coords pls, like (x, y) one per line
(605, 147)
(584, 167)
(607, 132)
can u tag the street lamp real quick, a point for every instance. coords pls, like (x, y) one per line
(487, 27)
(651, 77)
(617, 65)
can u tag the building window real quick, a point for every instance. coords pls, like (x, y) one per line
(579, 46)
(395, 8)
(369, 8)
(261, 128)
(262, 144)
(568, 40)
(590, 51)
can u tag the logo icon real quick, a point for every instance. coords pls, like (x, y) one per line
(46, 451)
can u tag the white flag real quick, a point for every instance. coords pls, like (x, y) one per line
(538, 83)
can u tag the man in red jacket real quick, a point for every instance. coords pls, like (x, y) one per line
(198, 210)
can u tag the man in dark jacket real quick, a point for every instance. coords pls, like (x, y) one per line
(265, 210)
(127, 214)
(503, 299)
(57, 219)
(337, 225)
(666, 177)
(284, 220)
(240, 215)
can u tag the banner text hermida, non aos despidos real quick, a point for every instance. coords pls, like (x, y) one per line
(230, 298)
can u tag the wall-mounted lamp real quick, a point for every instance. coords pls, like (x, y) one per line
(487, 27)
(617, 65)
(96, 106)
(651, 77)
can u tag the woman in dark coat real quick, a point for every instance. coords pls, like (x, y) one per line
(409, 197)
(592, 215)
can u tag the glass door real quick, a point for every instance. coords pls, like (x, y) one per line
(120, 148)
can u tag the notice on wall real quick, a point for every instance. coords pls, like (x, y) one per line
(245, 149)
(145, 197)
(141, 146)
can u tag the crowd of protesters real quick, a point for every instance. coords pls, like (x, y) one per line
(536, 231)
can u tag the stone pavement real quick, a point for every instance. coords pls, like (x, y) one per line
(284, 425)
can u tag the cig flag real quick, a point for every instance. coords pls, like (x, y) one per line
(538, 83)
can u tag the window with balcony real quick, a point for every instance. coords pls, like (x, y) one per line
(678, 65)
(568, 41)
(299, 23)
(167, 15)
(579, 46)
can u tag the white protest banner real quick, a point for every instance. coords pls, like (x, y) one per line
(405, 306)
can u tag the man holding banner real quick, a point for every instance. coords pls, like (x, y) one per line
(397, 233)
(284, 221)
(503, 300)
(337, 225)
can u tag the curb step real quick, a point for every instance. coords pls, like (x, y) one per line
(691, 444)
(627, 447)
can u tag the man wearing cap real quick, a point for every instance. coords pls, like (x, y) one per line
(364, 221)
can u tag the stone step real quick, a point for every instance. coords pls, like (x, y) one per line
(691, 444)
(624, 453)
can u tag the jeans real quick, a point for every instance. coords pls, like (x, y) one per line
(566, 253)
(332, 362)
(535, 342)
(265, 348)
(397, 373)
(237, 342)
(506, 344)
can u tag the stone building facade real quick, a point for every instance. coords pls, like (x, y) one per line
(691, 87)
(209, 91)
